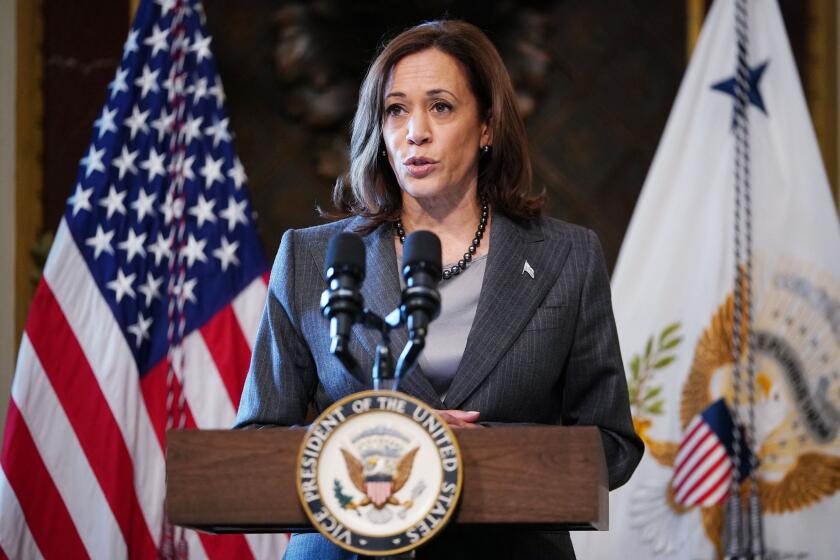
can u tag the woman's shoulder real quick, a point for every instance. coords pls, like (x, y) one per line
(297, 245)
(322, 232)
(560, 231)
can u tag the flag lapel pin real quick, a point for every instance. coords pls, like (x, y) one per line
(527, 269)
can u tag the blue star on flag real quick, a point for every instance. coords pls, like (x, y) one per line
(728, 86)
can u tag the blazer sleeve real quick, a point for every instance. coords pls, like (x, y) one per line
(282, 377)
(595, 391)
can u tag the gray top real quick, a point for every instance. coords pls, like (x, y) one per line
(447, 336)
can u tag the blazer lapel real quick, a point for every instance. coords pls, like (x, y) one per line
(509, 298)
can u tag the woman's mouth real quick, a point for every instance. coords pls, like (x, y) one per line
(419, 167)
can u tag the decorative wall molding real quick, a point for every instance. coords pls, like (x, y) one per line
(8, 64)
(29, 146)
(821, 86)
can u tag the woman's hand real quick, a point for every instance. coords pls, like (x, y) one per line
(460, 418)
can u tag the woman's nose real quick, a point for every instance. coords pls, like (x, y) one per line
(418, 131)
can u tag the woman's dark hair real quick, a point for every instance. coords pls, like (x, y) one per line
(370, 189)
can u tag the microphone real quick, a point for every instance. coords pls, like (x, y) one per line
(420, 299)
(421, 271)
(342, 302)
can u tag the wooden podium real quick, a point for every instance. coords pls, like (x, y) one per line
(232, 481)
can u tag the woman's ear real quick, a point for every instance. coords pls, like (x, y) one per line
(486, 133)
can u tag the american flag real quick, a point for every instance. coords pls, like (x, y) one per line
(144, 318)
(703, 467)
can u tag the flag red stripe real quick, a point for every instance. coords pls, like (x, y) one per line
(697, 426)
(248, 307)
(690, 454)
(698, 464)
(704, 478)
(99, 435)
(722, 479)
(42, 505)
(3, 554)
(684, 452)
(229, 349)
(223, 547)
(154, 389)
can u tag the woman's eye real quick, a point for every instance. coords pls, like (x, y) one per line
(441, 107)
(394, 110)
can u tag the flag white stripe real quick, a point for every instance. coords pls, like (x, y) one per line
(109, 357)
(64, 458)
(713, 478)
(206, 393)
(194, 546)
(248, 308)
(688, 462)
(266, 546)
(686, 446)
(716, 496)
(702, 468)
(15, 538)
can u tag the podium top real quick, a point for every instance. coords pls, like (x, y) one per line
(548, 477)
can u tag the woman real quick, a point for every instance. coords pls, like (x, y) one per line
(526, 332)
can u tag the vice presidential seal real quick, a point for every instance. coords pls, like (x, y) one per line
(379, 473)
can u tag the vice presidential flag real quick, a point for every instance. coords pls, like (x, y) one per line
(673, 296)
(145, 315)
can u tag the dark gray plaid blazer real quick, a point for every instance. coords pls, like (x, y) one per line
(541, 350)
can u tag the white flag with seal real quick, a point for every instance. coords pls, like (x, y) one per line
(673, 298)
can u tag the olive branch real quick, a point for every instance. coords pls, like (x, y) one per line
(645, 399)
(338, 492)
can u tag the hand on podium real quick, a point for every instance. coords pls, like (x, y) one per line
(460, 418)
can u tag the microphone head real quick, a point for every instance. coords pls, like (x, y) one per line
(346, 252)
(422, 249)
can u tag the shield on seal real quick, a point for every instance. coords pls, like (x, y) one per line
(379, 489)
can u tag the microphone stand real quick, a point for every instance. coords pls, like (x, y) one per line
(410, 354)
(384, 375)
(383, 362)
(340, 348)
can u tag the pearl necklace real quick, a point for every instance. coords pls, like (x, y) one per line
(456, 269)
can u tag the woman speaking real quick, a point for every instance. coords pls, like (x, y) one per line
(525, 333)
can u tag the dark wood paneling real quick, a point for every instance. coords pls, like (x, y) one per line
(600, 97)
(599, 83)
(82, 49)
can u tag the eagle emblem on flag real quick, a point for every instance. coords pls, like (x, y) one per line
(797, 402)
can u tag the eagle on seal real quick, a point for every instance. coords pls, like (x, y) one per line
(378, 479)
